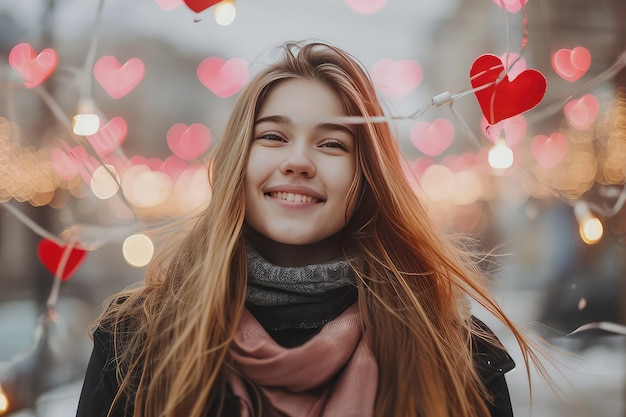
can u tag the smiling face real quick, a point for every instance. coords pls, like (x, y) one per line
(301, 166)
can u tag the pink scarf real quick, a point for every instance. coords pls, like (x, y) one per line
(334, 374)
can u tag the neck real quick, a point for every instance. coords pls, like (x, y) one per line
(282, 254)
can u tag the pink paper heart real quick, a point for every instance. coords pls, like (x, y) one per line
(420, 165)
(33, 68)
(396, 79)
(514, 130)
(514, 64)
(432, 138)
(549, 151)
(173, 166)
(85, 162)
(223, 78)
(511, 6)
(65, 166)
(188, 142)
(109, 137)
(153, 163)
(168, 5)
(571, 64)
(582, 113)
(116, 79)
(458, 163)
(366, 7)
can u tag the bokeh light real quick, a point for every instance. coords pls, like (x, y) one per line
(138, 250)
(225, 12)
(104, 182)
(85, 124)
(500, 155)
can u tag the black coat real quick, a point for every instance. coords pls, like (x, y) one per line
(100, 385)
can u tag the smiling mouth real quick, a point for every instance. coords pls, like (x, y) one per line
(293, 198)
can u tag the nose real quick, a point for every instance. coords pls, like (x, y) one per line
(298, 162)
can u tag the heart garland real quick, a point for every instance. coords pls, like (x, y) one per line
(500, 99)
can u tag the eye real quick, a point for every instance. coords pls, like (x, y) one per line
(334, 143)
(270, 136)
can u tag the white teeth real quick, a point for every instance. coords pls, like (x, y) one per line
(295, 198)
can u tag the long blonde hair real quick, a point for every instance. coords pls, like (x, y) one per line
(172, 336)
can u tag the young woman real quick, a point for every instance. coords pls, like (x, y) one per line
(313, 284)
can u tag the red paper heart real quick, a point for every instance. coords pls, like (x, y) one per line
(33, 68)
(50, 254)
(501, 99)
(200, 5)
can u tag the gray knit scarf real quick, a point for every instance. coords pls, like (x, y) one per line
(273, 285)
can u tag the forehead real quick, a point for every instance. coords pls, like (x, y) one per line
(302, 99)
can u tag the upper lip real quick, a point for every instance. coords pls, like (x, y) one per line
(294, 189)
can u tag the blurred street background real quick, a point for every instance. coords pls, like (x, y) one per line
(556, 222)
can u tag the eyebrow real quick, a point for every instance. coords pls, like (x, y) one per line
(281, 119)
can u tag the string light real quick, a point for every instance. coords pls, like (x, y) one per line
(589, 226)
(500, 155)
(4, 402)
(225, 12)
(85, 124)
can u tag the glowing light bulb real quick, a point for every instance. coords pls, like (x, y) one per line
(138, 250)
(85, 124)
(4, 402)
(500, 155)
(591, 230)
(104, 182)
(589, 227)
(225, 12)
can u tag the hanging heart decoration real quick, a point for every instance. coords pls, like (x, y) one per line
(34, 68)
(168, 5)
(511, 6)
(223, 78)
(396, 79)
(571, 64)
(514, 129)
(52, 256)
(549, 151)
(117, 79)
(432, 138)
(502, 98)
(366, 7)
(200, 5)
(109, 137)
(583, 112)
(188, 142)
